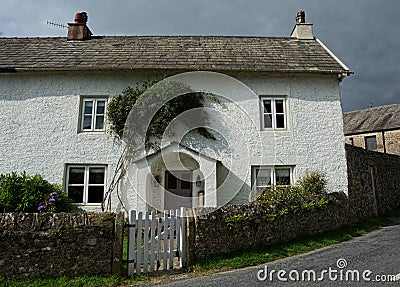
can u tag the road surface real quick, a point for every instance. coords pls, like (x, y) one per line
(363, 261)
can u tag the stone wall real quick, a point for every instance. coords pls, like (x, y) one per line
(210, 235)
(57, 244)
(374, 182)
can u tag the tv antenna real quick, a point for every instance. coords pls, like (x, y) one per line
(54, 24)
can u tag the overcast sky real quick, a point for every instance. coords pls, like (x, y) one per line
(364, 34)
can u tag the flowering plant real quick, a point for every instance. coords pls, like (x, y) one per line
(48, 203)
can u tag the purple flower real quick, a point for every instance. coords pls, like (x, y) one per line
(52, 200)
(40, 208)
(54, 193)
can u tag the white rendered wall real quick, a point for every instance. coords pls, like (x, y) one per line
(39, 115)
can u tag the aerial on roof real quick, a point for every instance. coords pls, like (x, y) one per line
(371, 120)
(169, 52)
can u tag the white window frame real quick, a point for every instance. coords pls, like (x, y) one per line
(86, 182)
(273, 175)
(273, 112)
(94, 113)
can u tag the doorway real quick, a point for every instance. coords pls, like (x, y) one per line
(178, 189)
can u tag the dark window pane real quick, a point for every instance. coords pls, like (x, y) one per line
(185, 181)
(96, 175)
(76, 175)
(171, 181)
(279, 106)
(263, 177)
(88, 107)
(267, 106)
(268, 121)
(185, 184)
(282, 176)
(76, 193)
(370, 143)
(99, 122)
(87, 122)
(95, 194)
(280, 121)
(101, 107)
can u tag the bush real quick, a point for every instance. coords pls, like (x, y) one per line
(24, 193)
(312, 185)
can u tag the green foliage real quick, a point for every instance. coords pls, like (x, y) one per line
(231, 221)
(82, 281)
(121, 105)
(24, 193)
(312, 185)
(271, 216)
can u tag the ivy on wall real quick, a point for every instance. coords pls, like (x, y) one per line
(121, 105)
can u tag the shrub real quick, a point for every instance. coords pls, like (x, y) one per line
(312, 185)
(24, 193)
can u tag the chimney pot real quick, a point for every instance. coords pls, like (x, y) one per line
(301, 17)
(81, 18)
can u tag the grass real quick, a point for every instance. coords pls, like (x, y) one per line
(222, 263)
(82, 281)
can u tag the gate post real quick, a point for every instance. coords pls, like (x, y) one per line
(131, 242)
(183, 238)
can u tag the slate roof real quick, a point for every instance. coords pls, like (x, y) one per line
(371, 120)
(218, 53)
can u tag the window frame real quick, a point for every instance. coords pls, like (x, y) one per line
(94, 114)
(86, 183)
(274, 114)
(273, 175)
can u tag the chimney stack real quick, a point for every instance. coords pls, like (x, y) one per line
(302, 30)
(78, 31)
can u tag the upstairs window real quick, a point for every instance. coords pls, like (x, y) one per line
(266, 176)
(93, 112)
(86, 184)
(273, 113)
(370, 143)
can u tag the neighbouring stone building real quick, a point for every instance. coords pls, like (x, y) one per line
(376, 129)
(279, 114)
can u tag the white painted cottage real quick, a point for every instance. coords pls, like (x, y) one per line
(279, 115)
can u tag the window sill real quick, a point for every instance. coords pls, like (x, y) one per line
(92, 132)
(275, 130)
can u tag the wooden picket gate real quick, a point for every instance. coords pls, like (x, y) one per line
(156, 242)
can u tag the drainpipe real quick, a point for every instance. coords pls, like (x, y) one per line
(384, 141)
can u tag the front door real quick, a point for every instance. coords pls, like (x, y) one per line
(178, 189)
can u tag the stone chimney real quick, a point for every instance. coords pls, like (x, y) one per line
(302, 30)
(78, 31)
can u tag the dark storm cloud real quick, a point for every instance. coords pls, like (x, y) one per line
(364, 34)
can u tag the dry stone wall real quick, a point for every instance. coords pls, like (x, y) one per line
(374, 182)
(58, 244)
(210, 234)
